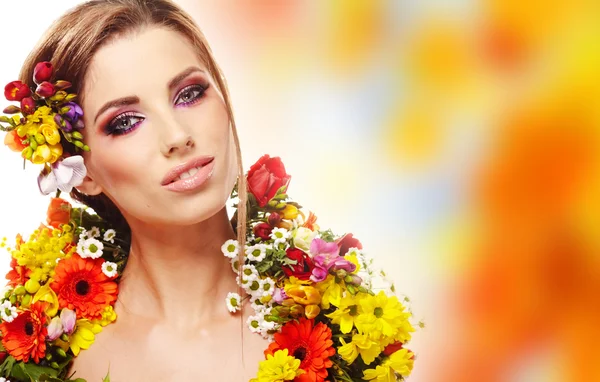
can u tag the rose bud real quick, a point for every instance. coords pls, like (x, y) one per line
(45, 89)
(42, 72)
(263, 230)
(16, 91)
(274, 218)
(27, 105)
(266, 177)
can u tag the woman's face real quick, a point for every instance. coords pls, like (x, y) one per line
(161, 146)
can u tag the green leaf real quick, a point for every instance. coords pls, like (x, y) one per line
(107, 378)
(36, 371)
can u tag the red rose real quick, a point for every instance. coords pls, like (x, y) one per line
(263, 230)
(265, 177)
(16, 91)
(45, 89)
(42, 72)
(303, 267)
(27, 105)
(346, 242)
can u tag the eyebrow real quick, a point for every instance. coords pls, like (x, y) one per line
(132, 100)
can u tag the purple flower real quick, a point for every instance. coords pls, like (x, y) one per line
(68, 318)
(63, 123)
(279, 295)
(55, 329)
(324, 255)
(64, 175)
(74, 112)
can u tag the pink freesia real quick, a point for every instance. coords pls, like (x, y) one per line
(326, 259)
(279, 295)
(55, 329)
(68, 318)
(64, 175)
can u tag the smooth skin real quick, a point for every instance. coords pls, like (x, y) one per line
(173, 324)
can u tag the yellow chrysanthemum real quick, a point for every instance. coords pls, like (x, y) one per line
(331, 292)
(361, 344)
(402, 362)
(382, 373)
(108, 316)
(382, 315)
(347, 311)
(278, 367)
(84, 335)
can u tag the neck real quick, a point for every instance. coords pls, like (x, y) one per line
(179, 273)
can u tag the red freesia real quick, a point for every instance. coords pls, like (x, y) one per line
(265, 177)
(309, 343)
(25, 336)
(303, 267)
(27, 105)
(263, 230)
(45, 89)
(14, 142)
(42, 72)
(346, 242)
(16, 91)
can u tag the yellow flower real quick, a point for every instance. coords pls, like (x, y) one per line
(84, 335)
(46, 294)
(50, 133)
(312, 311)
(55, 152)
(381, 315)
(41, 155)
(278, 367)
(347, 311)
(302, 292)
(108, 316)
(402, 362)
(289, 212)
(361, 344)
(381, 373)
(331, 292)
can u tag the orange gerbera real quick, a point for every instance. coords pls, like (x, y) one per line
(25, 336)
(309, 343)
(82, 286)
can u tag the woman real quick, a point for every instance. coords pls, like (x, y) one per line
(154, 101)
(161, 158)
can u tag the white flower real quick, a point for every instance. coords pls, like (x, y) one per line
(249, 272)
(7, 311)
(280, 235)
(109, 269)
(254, 323)
(235, 264)
(230, 248)
(302, 237)
(267, 286)
(83, 235)
(2, 379)
(65, 175)
(234, 302)
(256, 253)
(91, 248)
(94, 232)
(109, 235)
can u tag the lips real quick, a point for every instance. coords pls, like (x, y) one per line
(186, 170)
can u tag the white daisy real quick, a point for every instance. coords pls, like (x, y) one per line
(249, 272)
(256, 253)
(234, 302)
(235, 264)
(91, 248)
(94, 232)
(280, 235)
(109, 269)
(83, 235)
(230, 248)
(252, 287)
(2, 379)
(109, 235)
(267, 287)
(254, 323)
(8, 312)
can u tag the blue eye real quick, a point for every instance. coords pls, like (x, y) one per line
(190, 94)
(123, 123)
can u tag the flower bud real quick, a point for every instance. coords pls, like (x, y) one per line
(32, 286)
(42, 72)
(274, 218)
(312, 311)
(27, 152)
(61, 85)
(86, 148)
(16, 91)
(68, 319)
(78, 144)
(61, 353)
(13, 299)
(272, 203)
(351, 289)
(64, 337)
(77, 135)
(280, 206)
(33, 143)
(42, 154)
(59, 96)
(263, 230)
(27, 105)
(55, 329)
(54, 365)
(70, 97)
(297, 311)
(12, 109)
(45, 89)
(39, 138)
(290, 212)
(26, 301)
(48, 356)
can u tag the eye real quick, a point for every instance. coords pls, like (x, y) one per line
(123, 124)
(190, 94)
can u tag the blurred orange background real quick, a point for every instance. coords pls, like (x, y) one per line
(459, 140)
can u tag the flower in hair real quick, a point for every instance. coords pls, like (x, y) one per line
(46, 122)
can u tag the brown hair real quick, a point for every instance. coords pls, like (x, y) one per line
(71, 41)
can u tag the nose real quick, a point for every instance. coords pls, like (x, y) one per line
(175, 139)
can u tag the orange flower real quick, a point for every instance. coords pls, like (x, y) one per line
(25, 336)
(309, 343)
(59, 212)
(311, 222)
(14, 142)
(18, 274)
(82, 286)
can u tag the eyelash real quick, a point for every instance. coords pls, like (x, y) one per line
(112, 128)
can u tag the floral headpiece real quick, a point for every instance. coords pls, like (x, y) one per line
(46, 120)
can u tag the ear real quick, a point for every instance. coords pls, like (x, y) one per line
(89, 187)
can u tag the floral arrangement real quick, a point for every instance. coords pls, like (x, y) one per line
(47, 119)
(312, 293)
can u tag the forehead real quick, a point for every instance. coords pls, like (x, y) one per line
(137, 62)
